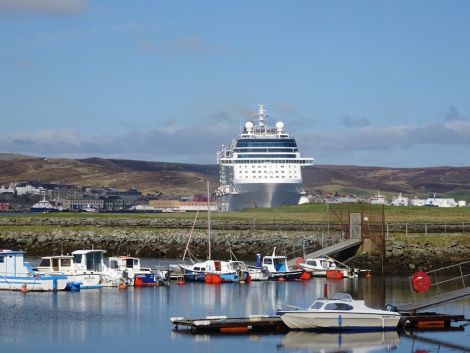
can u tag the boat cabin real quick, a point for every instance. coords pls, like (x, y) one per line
(12, 264)
(89, 260)
(321, 263)
(62, 263)
(275, 263)
(122, 263)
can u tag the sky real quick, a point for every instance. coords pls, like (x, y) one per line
(375, 83)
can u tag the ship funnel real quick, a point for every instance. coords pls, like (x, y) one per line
(261, 115)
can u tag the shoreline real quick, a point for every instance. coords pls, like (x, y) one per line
(167, 238)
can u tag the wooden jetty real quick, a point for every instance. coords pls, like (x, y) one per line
(224, 324)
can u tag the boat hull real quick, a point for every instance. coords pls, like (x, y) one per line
(199, 276)
(34, 283)
(287, 276)
(261, 195)
(344, 321)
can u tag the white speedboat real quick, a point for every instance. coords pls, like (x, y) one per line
(324, 265)
(63, 264)
(15, 274)
(341, 313)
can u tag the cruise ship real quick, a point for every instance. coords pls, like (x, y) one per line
(260, 168)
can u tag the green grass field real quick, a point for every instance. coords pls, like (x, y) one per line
(311, 213)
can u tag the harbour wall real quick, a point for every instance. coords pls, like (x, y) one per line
(167, 238)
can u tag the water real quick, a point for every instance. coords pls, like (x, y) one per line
(138, 319)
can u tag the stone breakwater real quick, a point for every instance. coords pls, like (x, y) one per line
(167, 238)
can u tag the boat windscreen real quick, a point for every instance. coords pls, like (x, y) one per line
(343, 296)
(317, 305)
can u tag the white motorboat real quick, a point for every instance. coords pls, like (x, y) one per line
(15, 274)
(256, 273)
(324, 265)
(129, 270)
(277, 268)
(63, 264)
(341, 313)
(92, 260)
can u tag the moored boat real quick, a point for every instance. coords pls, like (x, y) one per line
(15, 274)
(129, 270)
(325, 266)
(277, 269)
(93, 261)
(64, 265)
(198, 271)
(341, 313)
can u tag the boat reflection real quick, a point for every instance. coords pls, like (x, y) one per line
(340, 342)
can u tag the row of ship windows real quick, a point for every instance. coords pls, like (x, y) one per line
(265, 166)
(254, 161)
(267, 177)
(276, 171)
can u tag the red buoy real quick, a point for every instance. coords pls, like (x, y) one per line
(334, 274)
(281, 279)
(420, 282)
(305, 276)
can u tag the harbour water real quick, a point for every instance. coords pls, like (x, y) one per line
(138, 318)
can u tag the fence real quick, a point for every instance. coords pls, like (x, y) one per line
(427, 228)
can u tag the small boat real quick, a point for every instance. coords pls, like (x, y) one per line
(92, 261)
(198, 271)
(277, 269)
(15, 274)
(88, 208)
(255, 273)
(341, 313)
(129, 269)
(325, 266)
(64, 265)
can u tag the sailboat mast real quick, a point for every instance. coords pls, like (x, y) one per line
(208, 220)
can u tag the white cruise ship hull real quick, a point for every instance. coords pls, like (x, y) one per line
(261, 195)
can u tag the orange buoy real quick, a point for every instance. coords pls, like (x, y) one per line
(248, 279)
(334, 274)
(281, 279)
(122, 286)
(180, 282)
(138, 282)
(305, 276)
(24, 288)
(368, 274)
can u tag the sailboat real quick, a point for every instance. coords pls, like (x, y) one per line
(205, 271)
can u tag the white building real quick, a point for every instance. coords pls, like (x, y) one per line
(400, 201)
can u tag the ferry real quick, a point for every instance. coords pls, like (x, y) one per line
(260, 168)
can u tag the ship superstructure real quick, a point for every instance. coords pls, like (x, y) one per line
(260, 168)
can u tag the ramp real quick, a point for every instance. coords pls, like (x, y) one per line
(435, 301)
(331, 250)
(437, 280)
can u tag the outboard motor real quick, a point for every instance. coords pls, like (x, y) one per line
(258, 260)
(390, 307)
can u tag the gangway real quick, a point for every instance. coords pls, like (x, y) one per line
(440, 294)
(331, 250)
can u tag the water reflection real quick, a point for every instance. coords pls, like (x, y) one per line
(337, 342)
(123, 319)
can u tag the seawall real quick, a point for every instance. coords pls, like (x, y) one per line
(167, 238)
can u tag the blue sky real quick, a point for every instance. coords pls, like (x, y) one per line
(358, 82)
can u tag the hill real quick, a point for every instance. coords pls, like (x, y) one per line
(179, 178)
